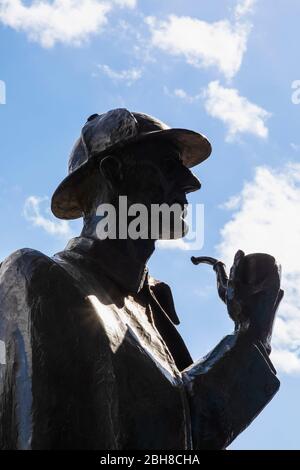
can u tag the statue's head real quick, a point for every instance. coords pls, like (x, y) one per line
(120, 153)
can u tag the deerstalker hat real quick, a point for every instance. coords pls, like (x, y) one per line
(104, 133)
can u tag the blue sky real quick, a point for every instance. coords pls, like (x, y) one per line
(223, 68)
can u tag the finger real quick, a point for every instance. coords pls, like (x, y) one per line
(238, 256)
(236, 261)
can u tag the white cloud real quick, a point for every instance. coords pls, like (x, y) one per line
(237, 113)
(286, 361)
(2, 92)
(178, 244)
(221, 44)
(66, 21)
(243, 8)
(128, 76)
(266, 219)
(39, 216)
(126, 3)
(295, 147)
(232, 203)
(182, 94)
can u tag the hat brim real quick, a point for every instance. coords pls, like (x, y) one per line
(194, 149)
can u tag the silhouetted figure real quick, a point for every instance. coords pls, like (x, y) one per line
(90, 354)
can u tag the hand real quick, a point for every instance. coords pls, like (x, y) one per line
(252, 293)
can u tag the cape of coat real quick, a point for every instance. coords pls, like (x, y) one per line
(90, 358)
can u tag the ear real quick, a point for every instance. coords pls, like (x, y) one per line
(111, 169)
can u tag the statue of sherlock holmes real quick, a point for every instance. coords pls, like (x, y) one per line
(90, 354)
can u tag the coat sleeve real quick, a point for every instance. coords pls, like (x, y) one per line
(227, 389)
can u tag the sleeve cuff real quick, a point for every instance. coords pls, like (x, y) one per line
(227, 390)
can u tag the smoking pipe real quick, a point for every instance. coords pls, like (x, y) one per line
(251, 292)
(219, 268)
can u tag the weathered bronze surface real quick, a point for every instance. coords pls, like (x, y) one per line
(90, 354)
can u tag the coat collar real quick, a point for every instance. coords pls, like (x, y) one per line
(128, 272)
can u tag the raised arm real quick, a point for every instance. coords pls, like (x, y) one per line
(229, 387)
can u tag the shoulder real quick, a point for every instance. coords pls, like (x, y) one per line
(34, 285)
(16, 273)
(18, 270)
(22, 266)
(27, 267)
(24, 259)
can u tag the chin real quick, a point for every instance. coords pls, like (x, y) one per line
(174, 233)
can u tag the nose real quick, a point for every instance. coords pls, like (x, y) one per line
(190, 182)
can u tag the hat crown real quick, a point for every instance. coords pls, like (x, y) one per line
(102, 131)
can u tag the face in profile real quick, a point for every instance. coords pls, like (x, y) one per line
(156, 178)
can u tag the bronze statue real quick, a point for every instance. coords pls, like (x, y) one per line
(91, 357)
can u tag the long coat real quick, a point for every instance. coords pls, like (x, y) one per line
(90, 358)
